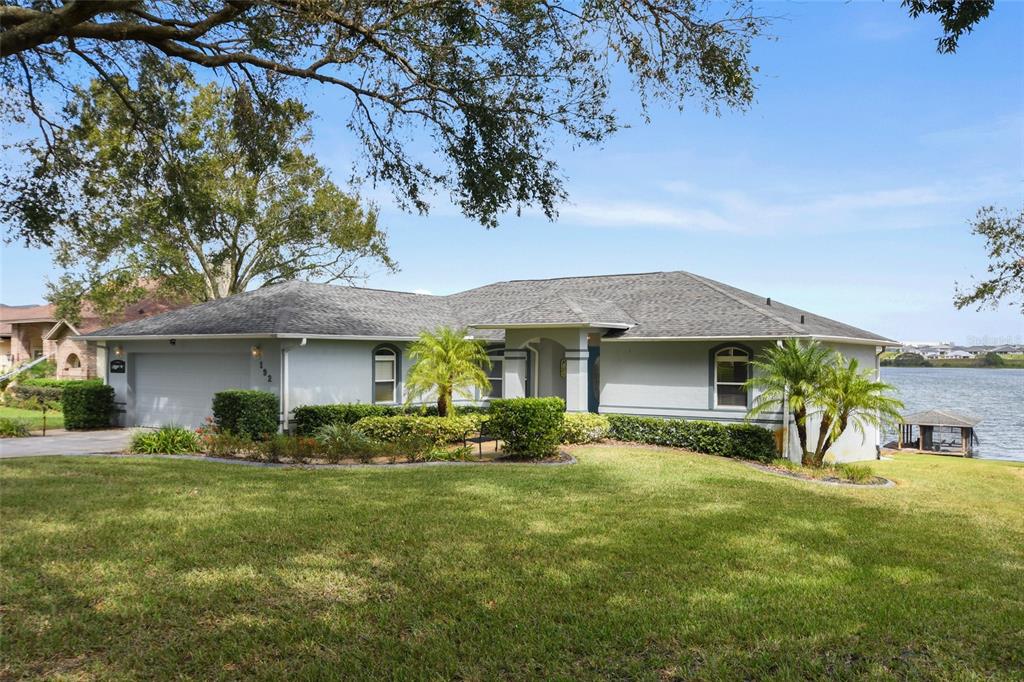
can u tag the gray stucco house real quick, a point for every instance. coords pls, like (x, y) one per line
(669, 344)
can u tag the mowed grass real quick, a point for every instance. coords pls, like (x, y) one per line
(632, 564)
(34, 418)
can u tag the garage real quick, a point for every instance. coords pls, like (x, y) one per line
(178, 388)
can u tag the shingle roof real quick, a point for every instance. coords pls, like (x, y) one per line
(648, 305)
(942, 417)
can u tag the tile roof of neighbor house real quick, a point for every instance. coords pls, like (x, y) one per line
(27, 313)
(637, 306)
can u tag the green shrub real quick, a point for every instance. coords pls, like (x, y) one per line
(13, 428)
(252, 414)
(167, 440)
(584, 427)
(440, 430)
(744, 441)
(28, 396)
(309, 419)
(87, 405)
(529, 427)
(278, 446)
(856, 473)
(342, 441)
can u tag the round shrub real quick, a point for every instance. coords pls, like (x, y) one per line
(529, 427)
(584, 427)
(13, 428)
(250, 414)
(87, 405)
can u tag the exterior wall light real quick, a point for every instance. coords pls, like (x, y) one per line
(118, 350)
(257, 352)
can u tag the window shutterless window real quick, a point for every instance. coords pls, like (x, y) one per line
(385, 375)
(495, 373)
(732, 366)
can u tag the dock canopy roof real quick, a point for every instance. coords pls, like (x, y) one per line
(941, 418)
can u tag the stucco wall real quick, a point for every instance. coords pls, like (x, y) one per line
(665, 379)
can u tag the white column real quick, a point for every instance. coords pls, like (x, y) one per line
(514, 373)
(576, 379)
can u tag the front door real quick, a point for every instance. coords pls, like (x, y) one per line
(593, 378)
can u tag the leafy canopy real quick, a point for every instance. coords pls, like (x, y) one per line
(456, 96)
(446, 362)
(1004, 233)
(193, 190)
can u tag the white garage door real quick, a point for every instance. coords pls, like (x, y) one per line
(178, 388)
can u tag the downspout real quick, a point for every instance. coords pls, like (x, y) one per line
(878, 377)
(285, 407)
(785, 419)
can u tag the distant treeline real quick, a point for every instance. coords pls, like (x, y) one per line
(917, 360)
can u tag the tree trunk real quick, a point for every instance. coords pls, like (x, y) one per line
(824, 441)
(800, 419)
(442, 403)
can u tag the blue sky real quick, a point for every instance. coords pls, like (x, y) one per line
(845, 189)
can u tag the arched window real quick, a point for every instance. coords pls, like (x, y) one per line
(72, 361)
(731, 371)
(385, 374)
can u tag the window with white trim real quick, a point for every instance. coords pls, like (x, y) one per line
(732, 365)
(385, 375)
(495, 374)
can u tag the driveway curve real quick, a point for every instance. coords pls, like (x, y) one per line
(69, 443)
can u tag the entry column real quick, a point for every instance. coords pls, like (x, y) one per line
(577, 383)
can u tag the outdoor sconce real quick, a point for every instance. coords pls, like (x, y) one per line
(257, 352)
(118, 351)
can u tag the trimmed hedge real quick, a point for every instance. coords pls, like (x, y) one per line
(252, 414)
(530, 427)
(743, 441)
(87, 405)
(309, 419)
(441, 430)
(47, 389)
(584, 427)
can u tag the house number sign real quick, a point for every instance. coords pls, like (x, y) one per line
(117, 366)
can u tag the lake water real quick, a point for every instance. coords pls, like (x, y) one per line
(995, 395)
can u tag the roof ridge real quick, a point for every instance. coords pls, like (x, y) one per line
(714, 285)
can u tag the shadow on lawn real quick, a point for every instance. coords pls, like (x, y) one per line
(641, 567)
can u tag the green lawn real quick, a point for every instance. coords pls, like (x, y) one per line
(34, 418)
(631, 564)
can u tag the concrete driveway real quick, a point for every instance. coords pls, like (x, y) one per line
(67, 443)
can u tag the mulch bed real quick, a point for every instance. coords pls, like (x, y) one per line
(559, 459)
(874, 482)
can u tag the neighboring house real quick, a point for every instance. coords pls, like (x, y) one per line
(34, 331)
(667, 344)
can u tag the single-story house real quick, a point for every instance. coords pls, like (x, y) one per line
(666, 344)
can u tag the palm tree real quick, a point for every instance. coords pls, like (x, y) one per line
(849, 395)
(790, 372)
(444, 362)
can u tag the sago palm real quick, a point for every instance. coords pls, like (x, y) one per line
(445, 362)
(791, 371)
(848, 396)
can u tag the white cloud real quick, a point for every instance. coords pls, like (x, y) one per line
(686, 206)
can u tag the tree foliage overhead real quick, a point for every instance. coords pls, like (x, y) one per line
(193, 192)
(957, 17)
(463, 96)
(1004, 236)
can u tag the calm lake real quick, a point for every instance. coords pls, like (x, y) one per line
(995, 395)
